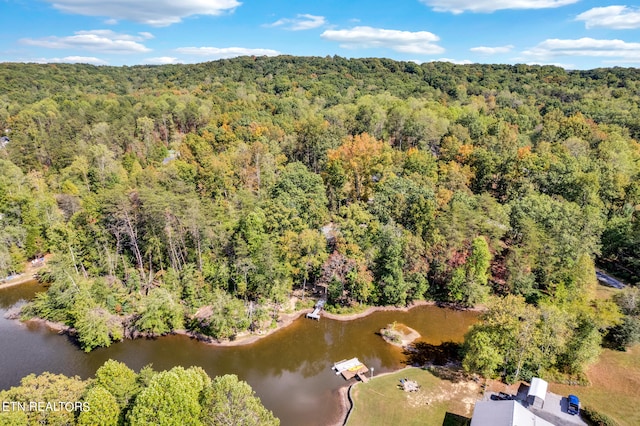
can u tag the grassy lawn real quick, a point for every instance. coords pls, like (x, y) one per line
(615, 386)
(382, 402)
(604, 292)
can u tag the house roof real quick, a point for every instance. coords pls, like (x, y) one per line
(538, 388)
(504, 413)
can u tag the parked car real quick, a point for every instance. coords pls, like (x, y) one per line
(504, 396)
(574, 405)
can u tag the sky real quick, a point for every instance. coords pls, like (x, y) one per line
(574, 34)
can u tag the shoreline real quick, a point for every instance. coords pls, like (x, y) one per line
(347, 402)
(21, 279)
(58, 327)
(344, 402)
(30, 273)
(244, 338)
(284, 321)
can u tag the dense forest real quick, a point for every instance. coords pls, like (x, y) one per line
(203, 196)
(118, 396)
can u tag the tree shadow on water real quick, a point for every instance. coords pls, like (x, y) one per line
(421, 353)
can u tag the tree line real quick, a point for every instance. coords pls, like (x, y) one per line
(203, 196)
(119, 396)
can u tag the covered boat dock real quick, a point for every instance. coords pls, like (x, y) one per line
(351, 368)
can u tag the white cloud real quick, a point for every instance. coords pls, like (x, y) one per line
(73, 60)
(104, 41)
(300, 22)
(152, 12)
(226, 52)
(624, 61)
(453, 61)
(116, 36)
(162, 60)
(615, 17)
(492, 50)
(553, 48)
(487, 6)
(418, 42)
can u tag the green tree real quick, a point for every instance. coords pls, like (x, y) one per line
(160, 313)
(313, 139)
(305, 252)
(47, 388)
(299, 193)
(97, 328)
(229, 401)
(407, 203)
(103, 408)
(389, 266)
(171, 398)
(469, 282)
(119, 380)
(583, 348)
(480, 354)
(506, 338)
(627, 333)
(223, 318)
(556, 233)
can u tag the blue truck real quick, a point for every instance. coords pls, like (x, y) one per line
(574, 405)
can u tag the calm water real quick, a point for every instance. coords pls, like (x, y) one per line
(289, 370)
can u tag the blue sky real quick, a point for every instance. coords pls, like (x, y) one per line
(575, 34)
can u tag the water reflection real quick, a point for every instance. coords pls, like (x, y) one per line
(289, 370)
(9, 296)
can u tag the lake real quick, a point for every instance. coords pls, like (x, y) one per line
(289, 370)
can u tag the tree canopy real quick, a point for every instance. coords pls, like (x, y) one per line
(204, 196)
(119, 396)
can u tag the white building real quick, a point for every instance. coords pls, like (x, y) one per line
(504, 413)
(537, 392)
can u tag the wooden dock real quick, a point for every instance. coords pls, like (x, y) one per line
(316, 310)
(351, 368)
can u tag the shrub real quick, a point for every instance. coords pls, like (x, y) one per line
(595, 418)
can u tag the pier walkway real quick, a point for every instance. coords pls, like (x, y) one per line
(316, 310)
